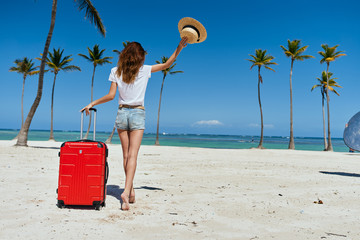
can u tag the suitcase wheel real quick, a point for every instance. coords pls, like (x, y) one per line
(97, 205)
(60, 204)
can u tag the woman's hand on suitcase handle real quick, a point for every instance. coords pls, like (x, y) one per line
(86, 109)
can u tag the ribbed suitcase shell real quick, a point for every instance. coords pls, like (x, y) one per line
(83, 173)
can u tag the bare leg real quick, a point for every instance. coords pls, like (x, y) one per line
(125, 143)
(130, 142)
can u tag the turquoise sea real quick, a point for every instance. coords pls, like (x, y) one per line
(192, 140)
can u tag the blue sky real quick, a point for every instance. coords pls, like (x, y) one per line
(217, 93)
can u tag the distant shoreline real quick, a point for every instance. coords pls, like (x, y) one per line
(212, 141)
(197, 134)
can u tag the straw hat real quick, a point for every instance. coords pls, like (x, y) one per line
(192, 29)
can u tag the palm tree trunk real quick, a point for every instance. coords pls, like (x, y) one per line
(52, 111)
(261, 114)
(157, 129)
(291, 143)
(22, 107)
(323, 114)
(330, 147)
(23, 135)
(92, 94)
(22, 102)
(108, 141)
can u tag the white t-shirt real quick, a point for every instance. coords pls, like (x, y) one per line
(133, 93)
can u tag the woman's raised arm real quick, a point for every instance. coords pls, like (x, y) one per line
(162, 66)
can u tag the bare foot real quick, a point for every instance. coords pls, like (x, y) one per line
(132, 197)
(125, 205)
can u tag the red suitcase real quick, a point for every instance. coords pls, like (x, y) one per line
(83, 172)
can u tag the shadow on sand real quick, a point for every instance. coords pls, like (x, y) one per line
(345, 174)
(45, 147)
(116, 191)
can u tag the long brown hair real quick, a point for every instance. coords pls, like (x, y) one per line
(130, 60)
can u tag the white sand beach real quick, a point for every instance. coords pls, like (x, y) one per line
(188, 193)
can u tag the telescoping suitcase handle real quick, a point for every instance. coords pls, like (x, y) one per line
(82, 123)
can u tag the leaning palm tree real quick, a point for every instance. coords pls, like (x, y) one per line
(108, 141)
(294, 51)
(261, 59)
(56, 63)
(329, 55)
(165, 73)
(322, 84)
(25, 67)
(94, 17)
(97, 59)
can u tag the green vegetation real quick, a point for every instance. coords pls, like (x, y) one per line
(322, 85)
(261, 59)
(294, 51)
(96, 58)
(56, 63)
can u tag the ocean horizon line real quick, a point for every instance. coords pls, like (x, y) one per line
(219, 141)
(169, 133)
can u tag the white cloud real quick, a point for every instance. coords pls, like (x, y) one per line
(208, 123)
(256, 125)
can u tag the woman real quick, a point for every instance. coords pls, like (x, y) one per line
(130, 77)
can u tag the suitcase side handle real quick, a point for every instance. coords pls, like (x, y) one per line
(106, 172)
(82, 122)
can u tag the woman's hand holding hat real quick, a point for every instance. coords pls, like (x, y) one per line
(183, 42)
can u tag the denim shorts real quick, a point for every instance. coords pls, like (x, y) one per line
(130, 119)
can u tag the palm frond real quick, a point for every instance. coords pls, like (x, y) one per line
(92, 14)
(301, 50)
(101, 52)
(103, 61)
(175, 72)
(84, 56)
(14, 69)
(269, 68)
(125, 43)
(315, 86)
(340, 55)
(71, 68)
(335, 92)
(35, 72)
(303, 57)
(91, 54)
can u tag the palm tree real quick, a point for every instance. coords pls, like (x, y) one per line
(261, 59)
(329, 55)
(26, 67)
(124, 44)
(94, 17)
(322, 84)
(96, 58)
(56, 62)
(165, 72)
(108, 141)
(294, 51)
